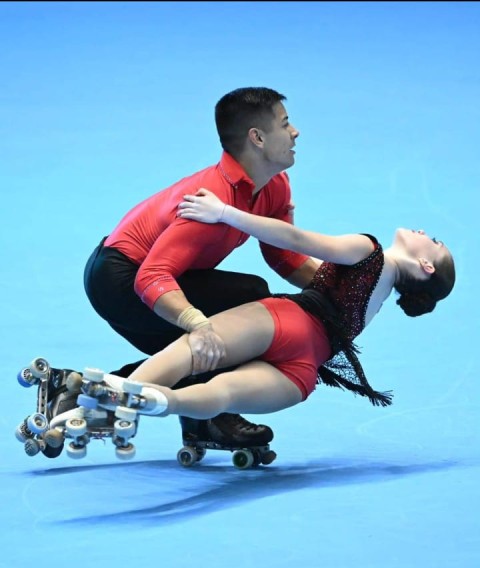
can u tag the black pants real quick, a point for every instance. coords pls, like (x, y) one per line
(109, 279)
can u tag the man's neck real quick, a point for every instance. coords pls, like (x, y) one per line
(257, 173)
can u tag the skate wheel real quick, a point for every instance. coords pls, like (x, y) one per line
(51, 453)
(76, 452)
(74, 382)
(53, 438)
(26, 379)
(86, 401)
(21, 434)
(94, 375)
(125, 452)
(124, 429)
(32, 447)
(187, 456)
(37, 423)
(76, 427)
(125, 413)
(39, 368)
(257, 459)
(131, 387)
(201, 453)
(243, 459)
(268, 457)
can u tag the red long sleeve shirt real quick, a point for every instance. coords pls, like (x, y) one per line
(165, 246)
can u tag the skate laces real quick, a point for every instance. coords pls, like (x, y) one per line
(240, 422)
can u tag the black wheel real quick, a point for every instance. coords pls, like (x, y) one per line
(268, 457)
(201, 453)
(51, 452)
(187, 456)
(257, 458)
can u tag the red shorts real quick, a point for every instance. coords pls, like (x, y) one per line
(300, 344)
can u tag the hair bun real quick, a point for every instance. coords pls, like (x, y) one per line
(416, 303)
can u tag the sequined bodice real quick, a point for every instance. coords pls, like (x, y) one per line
(350, 287)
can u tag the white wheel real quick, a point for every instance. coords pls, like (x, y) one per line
(74, 382)
(125, 453)
(53, 438)
(94, 375)
(32, 447)
(20, 433)
(125, 413)
(39, 367)
(37, 423)
(187, 456)
(76, 427)
(76, 452)
(243, 459)
(124, 429)
(131, 387)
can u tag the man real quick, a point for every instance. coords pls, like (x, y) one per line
(154, 277)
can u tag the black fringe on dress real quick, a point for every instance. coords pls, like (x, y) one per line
(343, 369)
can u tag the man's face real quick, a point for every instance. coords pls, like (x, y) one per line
(279, 140)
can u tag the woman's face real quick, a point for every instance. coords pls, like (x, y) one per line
(420, 245)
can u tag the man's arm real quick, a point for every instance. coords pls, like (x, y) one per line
(303, 275)
(342, 249)
(207, 347)
(176, 250)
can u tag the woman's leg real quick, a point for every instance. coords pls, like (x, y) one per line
(255, 387)
(247, 332)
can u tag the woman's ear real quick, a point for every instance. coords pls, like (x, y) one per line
(426, 265)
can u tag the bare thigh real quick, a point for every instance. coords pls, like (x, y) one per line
(247, 332)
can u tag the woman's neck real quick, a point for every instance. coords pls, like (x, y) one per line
(392, 266)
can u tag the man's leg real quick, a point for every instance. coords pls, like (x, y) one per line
(109, 278)
(214, 291)
(222, 291)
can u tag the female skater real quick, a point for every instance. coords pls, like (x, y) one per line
(284, 345)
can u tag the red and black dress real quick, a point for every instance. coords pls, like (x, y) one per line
(338, 297)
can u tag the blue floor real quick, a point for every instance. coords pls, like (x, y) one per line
(103, 104)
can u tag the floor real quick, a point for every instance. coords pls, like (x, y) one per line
(103, 104)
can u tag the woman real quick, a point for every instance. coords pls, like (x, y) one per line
(282, 346)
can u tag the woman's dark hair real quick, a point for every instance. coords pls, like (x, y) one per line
(418, 297)
(242, 109)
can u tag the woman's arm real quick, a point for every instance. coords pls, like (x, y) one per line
(208, 208)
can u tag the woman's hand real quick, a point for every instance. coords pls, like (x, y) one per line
(204, 206)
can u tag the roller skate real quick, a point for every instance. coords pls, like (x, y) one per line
(248, 442)
(80, 407)
(53, 397)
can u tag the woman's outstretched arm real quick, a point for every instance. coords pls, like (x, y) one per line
(208, 208)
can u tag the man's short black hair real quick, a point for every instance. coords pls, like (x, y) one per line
(242, 109)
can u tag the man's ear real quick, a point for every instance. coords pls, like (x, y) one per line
(427, 266)
(255, 136)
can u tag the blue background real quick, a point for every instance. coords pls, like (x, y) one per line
(103, 104)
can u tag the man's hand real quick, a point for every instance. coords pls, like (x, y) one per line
(207, 349)
(204, 206)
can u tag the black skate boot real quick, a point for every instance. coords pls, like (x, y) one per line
(227, 430)
(232, 432)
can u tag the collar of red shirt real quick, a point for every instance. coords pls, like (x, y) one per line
(233, 172)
